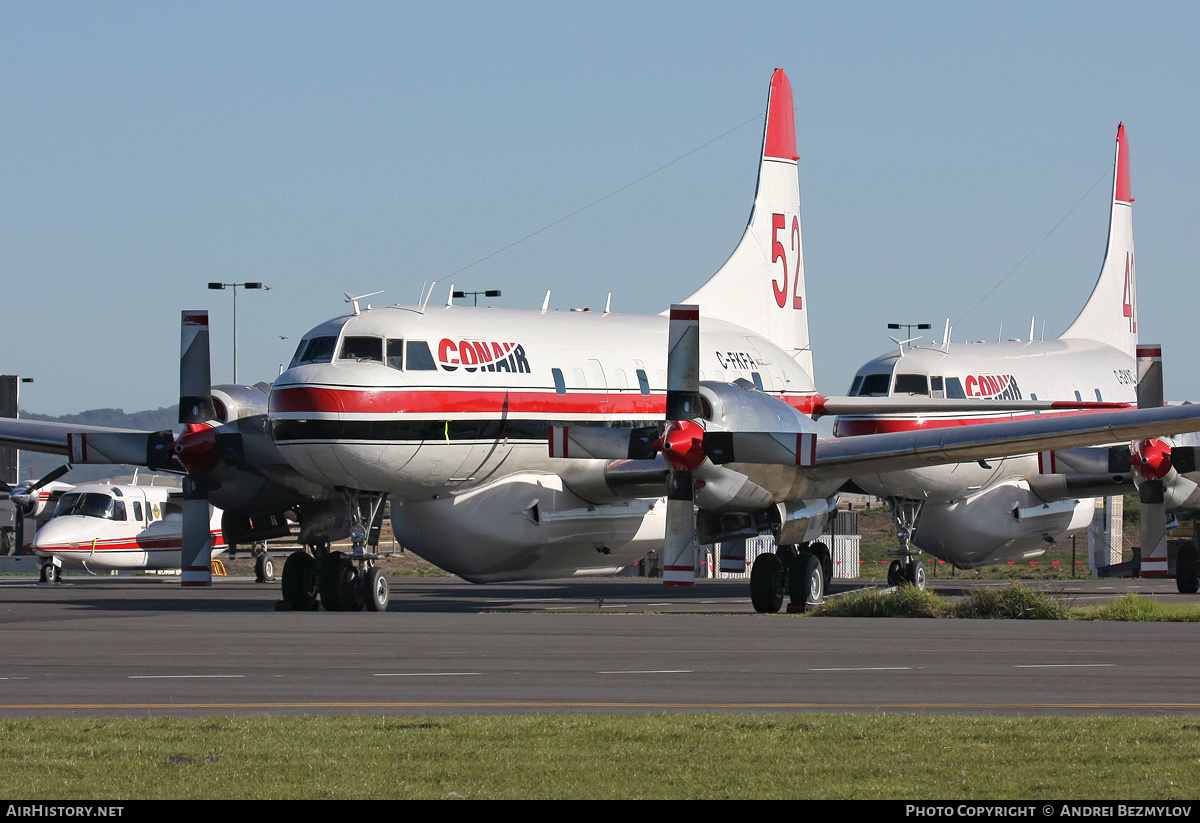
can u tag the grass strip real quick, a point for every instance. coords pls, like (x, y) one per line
(602, 756)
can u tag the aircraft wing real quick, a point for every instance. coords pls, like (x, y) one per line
(894, 451)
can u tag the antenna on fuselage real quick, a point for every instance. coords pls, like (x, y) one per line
(546, 302)
(946, 336)
(901, 343)
(428, 295)
(353, 301)
(608, 304)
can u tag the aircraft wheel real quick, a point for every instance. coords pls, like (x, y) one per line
(376, 587)
(329, 572)
(915, 575)
(349, 588)
(822, 553)
(264, 569)
(1187, 570)
(49, 573)
(767, 584)
(808, 582)
(895, 573)
(300, 581)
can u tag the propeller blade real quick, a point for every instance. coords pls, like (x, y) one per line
(51, 477)
(195, 375)
(781, 448)
(1150, 376)
(679, 547)
(196, 549)
(196, 448)
(683, 363)
(1153, 529)
(603, 443)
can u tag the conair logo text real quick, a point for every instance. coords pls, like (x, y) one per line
(482, 355)
(993, 387)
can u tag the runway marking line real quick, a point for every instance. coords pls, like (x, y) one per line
(182, 676)
(1092, 706)
(426, 674)
(1063, 665)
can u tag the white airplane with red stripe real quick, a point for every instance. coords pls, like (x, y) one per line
(447, 410)
(102, 527)
(971, 514)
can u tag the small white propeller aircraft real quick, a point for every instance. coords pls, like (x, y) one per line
(448, 410)
(100, 527)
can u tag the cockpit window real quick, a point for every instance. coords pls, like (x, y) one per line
(875, 385)
(395, 354)
(91, 504)
(318, 350)
(419, 356)
(856, 385)
(912, 384)
(362, 348)
(954, 389)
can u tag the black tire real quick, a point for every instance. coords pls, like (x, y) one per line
(300, 581)
(264, 569)
(349, 588)
(1187, 570)
(49, 573)
(376, 590)
(895, 573)
(823, 554)
(915, 574)
(329, 572)
(808, 582)
(767, 584)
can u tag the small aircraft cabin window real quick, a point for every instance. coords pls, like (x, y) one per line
(643, 382)
(912, 384)
(954, 389)
(419, 356)
(395, 354)
(318, 350)
(137, 511)
(362, 349)
(875, 385)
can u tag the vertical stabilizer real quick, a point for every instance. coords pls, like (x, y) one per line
(1110, 314)
(761, 285)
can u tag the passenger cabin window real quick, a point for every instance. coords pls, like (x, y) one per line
(362, 349)
(757, 378)
(912, 384)
(560, 385)
(420, 358)
(954, 389)
(875, 385)
(1099, 399)
(643, 381)
(318, 350)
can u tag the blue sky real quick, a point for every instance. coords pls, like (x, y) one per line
(322, 148)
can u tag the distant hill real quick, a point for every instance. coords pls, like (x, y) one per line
(35, 464)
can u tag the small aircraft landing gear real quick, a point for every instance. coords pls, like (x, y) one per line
(907, 569)
(49, 573)
(264, 566)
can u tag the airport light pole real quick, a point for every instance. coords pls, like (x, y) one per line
(908, 327)
(475, 294)
(235, 287)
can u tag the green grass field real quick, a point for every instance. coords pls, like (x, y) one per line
(837, 756)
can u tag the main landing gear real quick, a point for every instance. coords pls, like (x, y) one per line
(801, 572)
(906, 569)
(341, 581)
